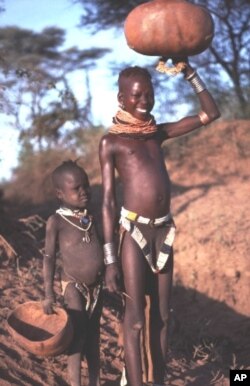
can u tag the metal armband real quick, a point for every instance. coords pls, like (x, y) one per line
(196, 82)
(203, 117)
(109, 253)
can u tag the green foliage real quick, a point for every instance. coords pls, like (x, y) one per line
(35, 88)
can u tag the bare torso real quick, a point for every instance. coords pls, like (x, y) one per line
(143, 174)
(80, 260)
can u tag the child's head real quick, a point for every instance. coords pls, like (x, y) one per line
(71, 184)
(136, 93)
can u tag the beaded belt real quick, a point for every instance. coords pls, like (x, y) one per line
(132, 216)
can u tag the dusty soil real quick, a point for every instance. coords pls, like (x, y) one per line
(210, 327)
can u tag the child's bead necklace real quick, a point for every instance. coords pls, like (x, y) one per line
(84, 218)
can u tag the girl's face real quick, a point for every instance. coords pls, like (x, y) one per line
(137, 97)
(75, 190)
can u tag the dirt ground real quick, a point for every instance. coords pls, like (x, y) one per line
(210, 329)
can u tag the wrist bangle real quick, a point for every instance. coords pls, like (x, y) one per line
(196, 82)
(109, 253)
(203, 117)
(190, 76)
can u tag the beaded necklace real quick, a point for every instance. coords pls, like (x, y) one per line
(126, 124)
(85, 220)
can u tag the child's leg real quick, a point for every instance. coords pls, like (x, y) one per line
(76, 307)
(159, 319)
(133, 264)
(93, 345)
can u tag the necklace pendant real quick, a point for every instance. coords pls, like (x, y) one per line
(86, 237)
(84, 220)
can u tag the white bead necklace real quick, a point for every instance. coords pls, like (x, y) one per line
(83, 217)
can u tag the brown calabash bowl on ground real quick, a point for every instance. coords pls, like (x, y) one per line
(40, 334)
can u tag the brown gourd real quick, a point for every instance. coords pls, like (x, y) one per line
(169, 28)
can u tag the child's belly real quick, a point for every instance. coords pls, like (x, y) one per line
(83, 264)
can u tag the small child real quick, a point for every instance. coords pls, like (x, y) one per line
(72, 232)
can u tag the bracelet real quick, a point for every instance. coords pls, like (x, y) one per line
(196, 82)
(189, 77)
(203, 117)
(109, 253)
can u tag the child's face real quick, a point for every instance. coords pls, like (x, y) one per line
(137, 97)
(75, 190)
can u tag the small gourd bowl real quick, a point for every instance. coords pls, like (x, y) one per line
(38, 333)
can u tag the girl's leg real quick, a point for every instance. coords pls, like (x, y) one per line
(93, 345)
(159, 319)
(133, 265)
(75, 305)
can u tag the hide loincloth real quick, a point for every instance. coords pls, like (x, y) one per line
(154, 237)
(90, 294)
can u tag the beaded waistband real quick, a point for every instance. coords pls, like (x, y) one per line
(132, 216)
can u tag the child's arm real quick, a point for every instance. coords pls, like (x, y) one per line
(49, 263)
(208, 113)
